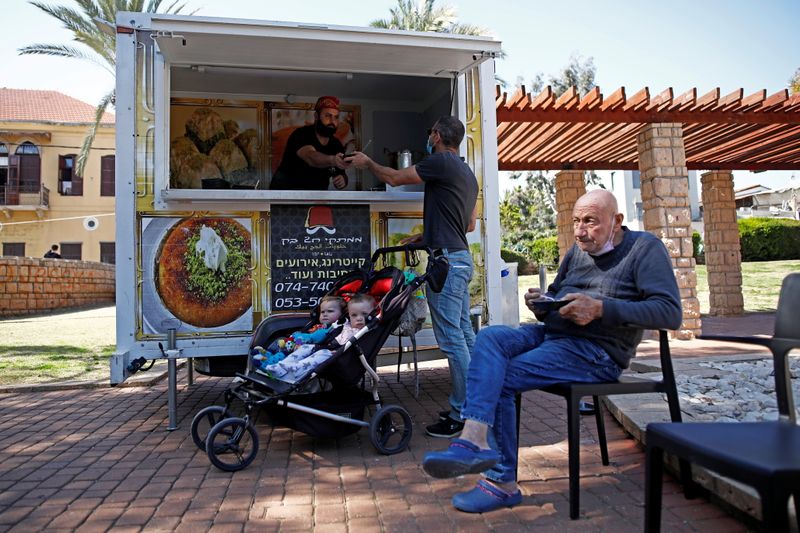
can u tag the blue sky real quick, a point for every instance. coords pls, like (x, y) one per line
(681, 44)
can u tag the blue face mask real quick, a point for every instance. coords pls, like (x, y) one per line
(429, 146)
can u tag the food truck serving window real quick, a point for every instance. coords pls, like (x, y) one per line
(205, 41)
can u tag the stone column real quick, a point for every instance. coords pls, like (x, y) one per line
(570, 186)
(665, 199)
(723, 254)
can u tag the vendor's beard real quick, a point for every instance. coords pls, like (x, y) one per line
(323, 130)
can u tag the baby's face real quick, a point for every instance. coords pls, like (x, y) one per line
(329, 312)
(358, 313)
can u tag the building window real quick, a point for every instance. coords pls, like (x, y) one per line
(71, 250)
(29, 168)
(14, 249)
(636, 178)
(108, 253)
(107, 175)
(3, 172)
(69, 183)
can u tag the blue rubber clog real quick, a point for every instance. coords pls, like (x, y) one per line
(485, 497)
(461, 457)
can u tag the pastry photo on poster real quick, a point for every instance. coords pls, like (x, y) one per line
(214, 146)
(196, 274)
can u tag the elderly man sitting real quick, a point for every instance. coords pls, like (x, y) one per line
(611, 277)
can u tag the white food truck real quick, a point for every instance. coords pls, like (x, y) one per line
(204, 107)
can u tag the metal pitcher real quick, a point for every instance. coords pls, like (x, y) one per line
(404, 159)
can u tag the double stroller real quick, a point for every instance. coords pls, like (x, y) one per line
(330, 401)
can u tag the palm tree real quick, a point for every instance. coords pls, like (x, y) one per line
(98, 46)
(416, 16)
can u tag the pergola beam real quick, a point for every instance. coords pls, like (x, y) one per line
(644, 116)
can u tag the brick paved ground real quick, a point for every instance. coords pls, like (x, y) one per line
(94, 460)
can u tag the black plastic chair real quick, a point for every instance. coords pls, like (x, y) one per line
(627, 384)
(764, 455)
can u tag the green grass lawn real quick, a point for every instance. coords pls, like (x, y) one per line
(761, 284)
(57, 347)
(53, 364)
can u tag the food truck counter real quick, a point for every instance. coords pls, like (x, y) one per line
(257, 199)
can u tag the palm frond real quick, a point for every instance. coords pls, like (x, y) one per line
(86, 147)
(467, 29)
(70, 18)
(63, 50)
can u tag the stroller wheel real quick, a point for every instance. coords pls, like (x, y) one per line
(390, 429)
(232, 444)
(204, 420)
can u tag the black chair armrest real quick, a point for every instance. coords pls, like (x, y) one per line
(761, 341)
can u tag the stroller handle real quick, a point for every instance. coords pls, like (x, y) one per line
(406, 248)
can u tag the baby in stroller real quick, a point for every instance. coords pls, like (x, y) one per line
(310, 348)
(331, 309)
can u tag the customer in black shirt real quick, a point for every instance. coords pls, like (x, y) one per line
(449, 212)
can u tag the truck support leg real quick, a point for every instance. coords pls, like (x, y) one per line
(172, 381)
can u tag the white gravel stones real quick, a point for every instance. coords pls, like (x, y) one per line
(739, 392)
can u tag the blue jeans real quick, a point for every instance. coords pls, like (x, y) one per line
(451, 324)
(507, 361)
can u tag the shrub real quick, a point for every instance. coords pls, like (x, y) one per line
(512, 256)
(769, 239)
(545, 251)
(698, 250)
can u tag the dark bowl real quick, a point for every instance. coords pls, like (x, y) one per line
(215, 183)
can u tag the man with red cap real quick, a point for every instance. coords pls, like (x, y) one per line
(313, 157)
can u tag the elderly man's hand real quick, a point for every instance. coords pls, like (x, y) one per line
(530, 296)
(339, 182)
(582, 309)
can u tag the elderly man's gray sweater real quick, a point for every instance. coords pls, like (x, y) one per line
(637, 285)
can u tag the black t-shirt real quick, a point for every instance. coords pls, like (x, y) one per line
(50, 254)
(295, 174)
(451, 190)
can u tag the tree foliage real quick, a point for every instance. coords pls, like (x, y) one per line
(94, 44)
(528, 211)
(794, 82)
(424, 16)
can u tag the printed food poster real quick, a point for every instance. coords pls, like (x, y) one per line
(311, 247)
(196, 274)
(214, 147)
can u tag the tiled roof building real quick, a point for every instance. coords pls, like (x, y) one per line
(53, 107)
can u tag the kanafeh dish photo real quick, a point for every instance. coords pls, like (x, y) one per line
(203, 271)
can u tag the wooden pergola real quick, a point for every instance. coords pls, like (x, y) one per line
(734, 132)
(663, 137)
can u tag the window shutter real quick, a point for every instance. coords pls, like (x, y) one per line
(12, 183)
(71, 250)
(62, 167)
(77, 181)
(30, 169)
(107, 175)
